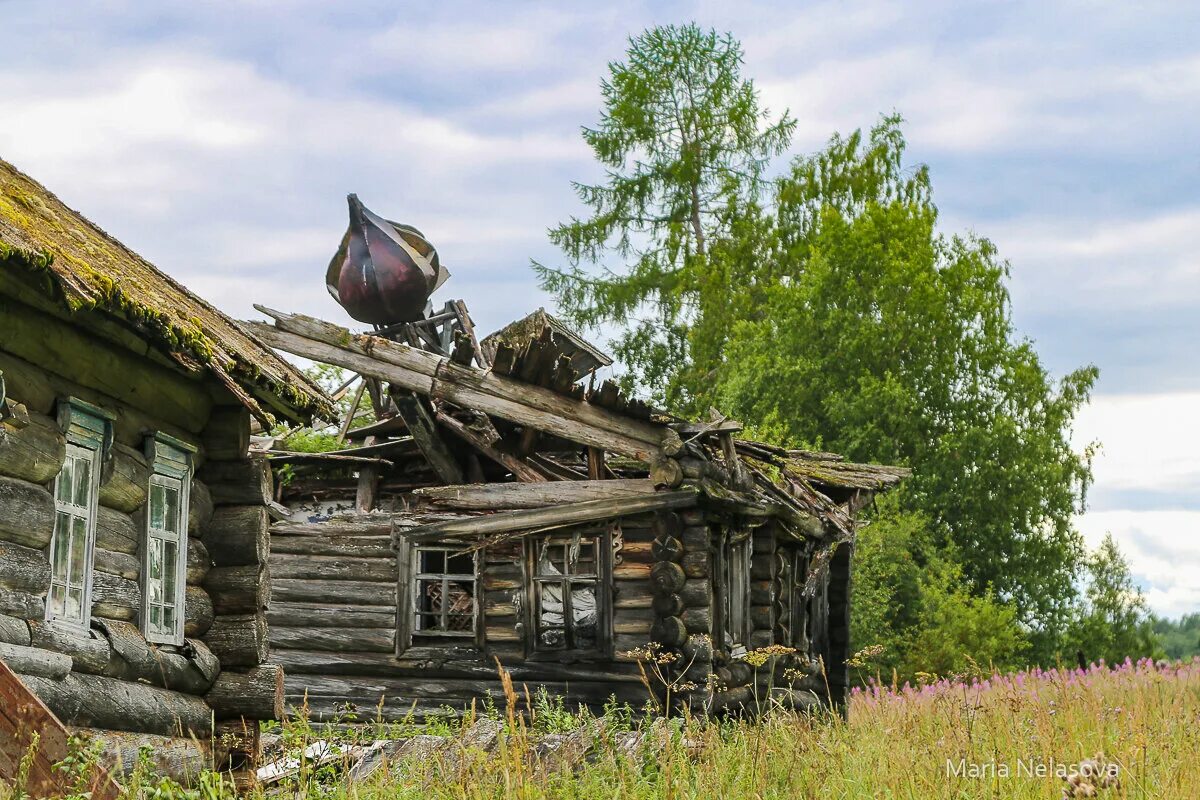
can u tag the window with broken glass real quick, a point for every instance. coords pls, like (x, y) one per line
(733, 592)
(568, 597)
(443, 592)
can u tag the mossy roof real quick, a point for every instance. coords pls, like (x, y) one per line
(90, 270)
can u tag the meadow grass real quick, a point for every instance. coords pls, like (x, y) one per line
(1012, 736)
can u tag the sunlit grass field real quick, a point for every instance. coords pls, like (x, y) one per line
(1129, 732)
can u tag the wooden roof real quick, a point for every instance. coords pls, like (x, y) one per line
(91, 270)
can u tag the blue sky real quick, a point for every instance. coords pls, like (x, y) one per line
(219, 140)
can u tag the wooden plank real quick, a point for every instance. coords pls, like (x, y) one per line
(22, 717)
(387, 427)
(326, 591)
(511, 496)
(569, 514)
(326, 615)
(372, 640)
(318, 545)
(520, 469)
(336, 567)
(423, 428)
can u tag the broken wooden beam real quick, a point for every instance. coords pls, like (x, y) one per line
(421, 424)
(520, 469)
(510, 496)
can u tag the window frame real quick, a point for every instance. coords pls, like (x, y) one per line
(409, 638)
(601, 579)
(88, 431)
(171, 466)
(733, 548)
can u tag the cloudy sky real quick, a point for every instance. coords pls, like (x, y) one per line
(219, 140)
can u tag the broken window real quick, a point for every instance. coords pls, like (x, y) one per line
(567, 591)
(733, 593)
(443, 591)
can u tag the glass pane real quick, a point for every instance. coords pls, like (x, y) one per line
(154, 569)
(83, 481)
(158, 506)
(62, 545)
(432, 561)
(79, 554)
(170, 564)
(156, 618)
(429, 594)
(172, 510)
(461, 564)
(66, 481)
(169, 620)
(461, 604)
(74, 609)
(550, 606)
(58, 600)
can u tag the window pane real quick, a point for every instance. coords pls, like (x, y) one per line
(432, 561)
(168, 620)
(58, 600)
(62, 545)
(158, 505)
(170, 565)
(83, 481)
(171, 513)
(79, 554)
(74, 609)
(154, 569)
(156, 618)
(66, 481)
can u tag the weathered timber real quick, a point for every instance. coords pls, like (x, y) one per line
(122, 565)
(125, 479)
(423, 428)
(366, 494)
(35, 661)
(34, 453)
(143, 662)
(447, 662)
(238, 535)
(198, 611)
(239, 641)
(99, 702)
(254, 694)
(696, 593)
(332, 568)
(23, 569)
(668, 605)
(698, 620)
(760, 617)
(22, 604)
(24, 716)
(376, 640)
(324, 615)
(238, 590)
(695, 565)
(567, 514)
(668, 631)
(355, 592)
(667, 578)
(519, 467)
(667, 548)
(366, 691)
(379, 523)
(226, 437)
(116, 531)
(667, 473)
(27, 516)
(245, 482)
(668, 523)
(199, 562)
(115, 597)
(319, 545)
(13, 630)
(487, 392)
(200, 508)
(89, 652)
(511, 496)
(177, 757)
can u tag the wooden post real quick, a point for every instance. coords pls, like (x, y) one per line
(424, 431)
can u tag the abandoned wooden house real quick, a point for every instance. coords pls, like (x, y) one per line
(133, 523)
(501, 509)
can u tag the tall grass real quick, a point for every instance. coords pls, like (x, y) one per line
(1009, 736)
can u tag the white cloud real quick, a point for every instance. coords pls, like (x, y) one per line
(1148, 442)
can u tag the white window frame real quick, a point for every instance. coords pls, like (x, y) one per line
(88, 431)
(171, 462)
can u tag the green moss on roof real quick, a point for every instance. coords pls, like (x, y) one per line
(91, 270)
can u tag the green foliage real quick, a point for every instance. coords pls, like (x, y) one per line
(324, 439)
(1179, 638)
(1113, 622)
(683, 141)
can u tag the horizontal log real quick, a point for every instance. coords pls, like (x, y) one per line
(100, 702)
(760, 617)
(28, 513)
(346, 710)
(138, 660)
(510, 496)
(35, 661)
(125, 479)
(695, 565)
(117, 531)
(332, 568)
(667, 548)
(114, 597)
(367, 691)
(371, 640)
(667, 578)
(240, 483)
(200, 508)
(696, 593)
(237, 535)
(255, 694)
(444, 662)
(698, 620)
(668, 605)
(22, 604)
(14, 630)
(762, 566)
(632, 571)
(89, 652)
(180, 758)
(226, 437)
(318, 545)
(199, 562)
(696, 539)
(490, 393)
(562, 515)
(198, 612)
(23, 569)
(122, 565)
(667, 473)
(369, 593)
(34, 453)
(238, 590)
(324, 615)
(668, 631)
(240, 640)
